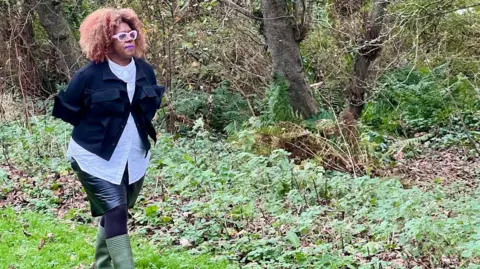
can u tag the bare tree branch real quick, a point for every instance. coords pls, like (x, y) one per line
(240, 10)
(454, 10)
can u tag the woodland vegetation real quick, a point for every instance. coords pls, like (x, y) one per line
(293, 134)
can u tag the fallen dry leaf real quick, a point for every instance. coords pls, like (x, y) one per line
(433, 167)
(185, 243)
(42, 243)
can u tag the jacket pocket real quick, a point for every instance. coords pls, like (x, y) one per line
(149, 100)
(107, 102)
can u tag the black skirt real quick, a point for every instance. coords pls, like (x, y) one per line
(103, 195)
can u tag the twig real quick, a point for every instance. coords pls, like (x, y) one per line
(22, 90)
(248, 14)
(299, 189)
(316, 191)
(454, 10)
(240, 10)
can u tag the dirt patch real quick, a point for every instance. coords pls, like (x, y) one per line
(444, 167)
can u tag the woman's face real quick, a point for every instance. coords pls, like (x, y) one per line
(124, 49)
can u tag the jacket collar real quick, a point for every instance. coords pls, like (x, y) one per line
(108, 74)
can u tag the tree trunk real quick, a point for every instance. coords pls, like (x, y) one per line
(18, 67)
(369, 50)
(3, 45)
(280, 37)
(52, 19)
(3, 50)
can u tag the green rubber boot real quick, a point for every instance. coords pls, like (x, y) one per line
(102, 256)
(121, 251)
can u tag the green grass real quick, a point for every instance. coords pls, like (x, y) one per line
(71, 245)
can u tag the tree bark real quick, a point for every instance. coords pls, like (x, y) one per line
(369, 50)
(3, 45)
(52, 19)
(280, 37)
(17, 38)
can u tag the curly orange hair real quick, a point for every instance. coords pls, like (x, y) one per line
(97, 29)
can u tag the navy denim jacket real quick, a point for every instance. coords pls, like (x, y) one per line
(96, 103)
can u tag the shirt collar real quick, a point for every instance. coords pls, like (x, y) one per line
(125, 73)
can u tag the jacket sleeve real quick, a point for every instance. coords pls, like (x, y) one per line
(159, 89)
(68, 104)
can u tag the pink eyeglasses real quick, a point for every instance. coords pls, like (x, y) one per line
(122, 36)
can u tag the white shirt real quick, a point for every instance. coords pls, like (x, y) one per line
(129, 148)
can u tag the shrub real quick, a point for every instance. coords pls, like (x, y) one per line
(420, 100)
(221, 108)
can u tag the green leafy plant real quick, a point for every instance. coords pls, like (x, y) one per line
(419, 100)
(220, 108)
(278, 106)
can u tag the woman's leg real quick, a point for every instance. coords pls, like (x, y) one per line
(115, 221)
(91, 186)
(117, 239)
(102, 256)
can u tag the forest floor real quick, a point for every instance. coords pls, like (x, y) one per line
(446, 167)
(34, 240)
(207, 206)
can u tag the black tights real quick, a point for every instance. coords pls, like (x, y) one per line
(115, 221)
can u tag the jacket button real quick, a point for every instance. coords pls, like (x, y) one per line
(113, 144)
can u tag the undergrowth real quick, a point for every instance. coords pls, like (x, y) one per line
(411, 101)
(267, 211)
(220, 108)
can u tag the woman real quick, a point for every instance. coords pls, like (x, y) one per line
(111, 103)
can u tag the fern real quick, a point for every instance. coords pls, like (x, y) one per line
(400, 145)
(420, 100)
(278, 106)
